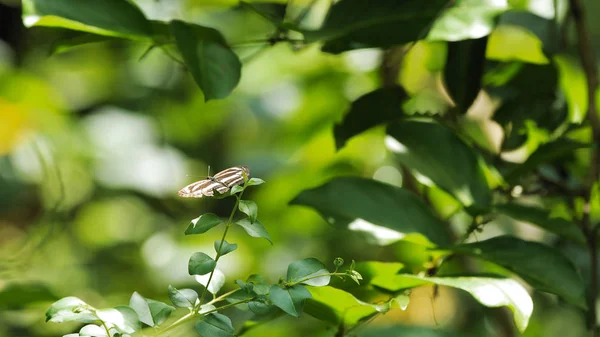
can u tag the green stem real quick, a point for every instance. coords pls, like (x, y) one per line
(227, 306)
(180, 321)
(222, 297)
(105, 328)
(237, 203)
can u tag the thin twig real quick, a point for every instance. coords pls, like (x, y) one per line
(588, 61)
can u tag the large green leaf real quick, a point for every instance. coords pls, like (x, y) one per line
(122, 318)
(70, 309)
(489, 291)
(337, 306)
(436, 154)
(201, 264)
(215, 325)
(290, 300)
(183, 298)
(307, 270)
(542, 218)
(387, 213)
(150, 312)
(377, 107)
(213, 65)
(255, 229)
(468, 19)
(463, 72)
(543, 267)
(106, 17)
(546, 153)
(203, 223)
(353, 24)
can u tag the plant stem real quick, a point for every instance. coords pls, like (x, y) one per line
(235, 207)
(180, 321)
(227, 306)
(222, 297)
(588, 61)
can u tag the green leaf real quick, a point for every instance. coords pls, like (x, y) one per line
(107, 17)
(463, 72)
(93, 330)
(489, 291)
(73, 39)
(353, 24)
(548, 152)
(259, 308)
(291, 300)
(254, 182)
(226, 248)
(471, 19)
(377, 107)
(70, 309)
(260, 287)
(122, 318)
(542, 267)
(203, 223)
(236, 189)
(337, 306)
(307, 268)
(249, 208)
(201, 264)
(276, 20)
(386, 213)
(183, 298)
(256, 229)
(215, 325)
(595, 204)
(150, 312)
(436, 154)
(407, 331)
(544, 219)
(214, 66)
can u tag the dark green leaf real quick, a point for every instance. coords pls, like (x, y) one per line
(290, 300)
(226, 247)
(122, 318)
(377, 107)
(256, 229)
(259, 308)
(70, 309)
(463, 72)
(467, 20)
(260, 286)
(107, 17)
(203, 223)
(215, 325)
(307, 268)
(385, 212)
(353, 24)
(183, 298)
(542, 218)
(543, 267)
(249, 208)
(150, 312)
(337, 306)
(160, 311)
(435, 152)
(545, 153)
(201, 264)
(213, 65)
(489, 291)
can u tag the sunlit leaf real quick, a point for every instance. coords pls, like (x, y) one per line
(92, 330)
(150, 312)
(203, 223)
(513, 43)
(437, 154)
(122, 318)
(213, 65)
(255, 181)
(387, 212)
(543, 267)
(201, 264)
(306, 269)
(337, 306)
(377, 107)
(70, 309)
(472, 19)
(216, 283)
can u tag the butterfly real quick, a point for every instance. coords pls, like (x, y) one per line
(220, 182)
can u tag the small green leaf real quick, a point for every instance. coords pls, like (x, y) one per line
(374, 208)
(260, 287)
(249, 208)
(464, 70)
(254, 182)
(306, 269)
(543, 267)
(236, 189)
(150, 312)
(201, 264)
(337, 306)
(70, 309)
(256, 229)
(375, 108)
(107, 17)
(438, 155)
(259, 308)
(216, 282)
(203, 223)
(92, 330)
(226, 248)
(183, 298)
(291, 300)
(543, 219)
(122, 318)
(215, 325)
(214, 66)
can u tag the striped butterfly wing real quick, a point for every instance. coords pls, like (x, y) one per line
(220, 182)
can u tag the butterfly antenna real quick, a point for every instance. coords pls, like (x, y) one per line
(208, 171)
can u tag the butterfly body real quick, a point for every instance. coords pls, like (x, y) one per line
(220, 182)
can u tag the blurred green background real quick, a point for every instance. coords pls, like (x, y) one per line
(95, 143)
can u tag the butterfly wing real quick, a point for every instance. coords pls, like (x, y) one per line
(202, 188)
(233, 175)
